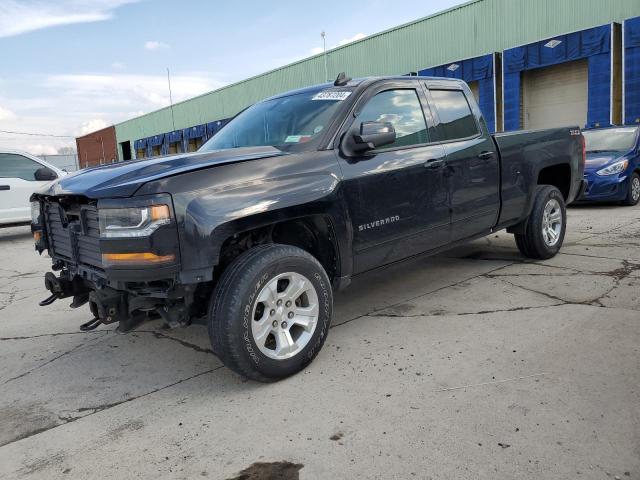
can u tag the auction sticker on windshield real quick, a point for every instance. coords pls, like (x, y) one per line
(331, 95)
(297, 138)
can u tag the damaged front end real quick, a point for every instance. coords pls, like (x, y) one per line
(119, 256)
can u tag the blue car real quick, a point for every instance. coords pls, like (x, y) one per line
(613, 165)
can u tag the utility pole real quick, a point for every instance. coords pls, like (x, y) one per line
(324, 49)
(173, 121)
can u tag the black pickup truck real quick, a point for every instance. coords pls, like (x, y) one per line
(294, 197)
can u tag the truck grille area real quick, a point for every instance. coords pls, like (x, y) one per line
(73, 233)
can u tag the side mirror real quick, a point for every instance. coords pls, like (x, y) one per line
(44, 174)
(373, 135)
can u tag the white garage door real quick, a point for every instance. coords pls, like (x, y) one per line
(555, 96)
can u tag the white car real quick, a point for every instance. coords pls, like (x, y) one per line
(20, 175)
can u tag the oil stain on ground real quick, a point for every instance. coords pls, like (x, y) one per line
(270, 471)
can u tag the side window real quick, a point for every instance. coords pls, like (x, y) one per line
(402, 109)
(17, 166)
(456, 119)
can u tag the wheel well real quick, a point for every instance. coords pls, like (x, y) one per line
(313, 234)
(557, 175)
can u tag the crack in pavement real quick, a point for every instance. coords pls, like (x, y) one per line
(618, 274)
(539, 263)
(156, 334)
(496, 382)
(78, 347)
(594, 302)
(368, 314)
(26, 274)
(107, 406)
(609, 245)
(453, 314)
(184, 343)
(55, 334)
(24, 374)
(15, 272)
(623, 272)
(545, 294)
(593, 256)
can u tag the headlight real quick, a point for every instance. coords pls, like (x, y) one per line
(132, 222)
(617, 167)
(35, 213)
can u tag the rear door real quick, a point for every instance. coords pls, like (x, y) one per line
(473, 164)
(17, 183)
(397, 194)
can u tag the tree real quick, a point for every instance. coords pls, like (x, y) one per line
(66, 151)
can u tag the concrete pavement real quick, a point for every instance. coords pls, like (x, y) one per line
(472, 364)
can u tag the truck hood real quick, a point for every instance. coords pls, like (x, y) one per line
(123, 179)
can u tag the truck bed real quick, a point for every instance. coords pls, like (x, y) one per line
(525, 155)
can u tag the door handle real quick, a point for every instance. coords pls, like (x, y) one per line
(434, 163)
(485, 155)
(5, 187)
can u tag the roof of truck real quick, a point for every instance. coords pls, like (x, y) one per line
(357, 82)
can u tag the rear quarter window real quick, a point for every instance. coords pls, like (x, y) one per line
(456, 118)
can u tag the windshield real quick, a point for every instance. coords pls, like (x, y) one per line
(610, 139)
(295, 121)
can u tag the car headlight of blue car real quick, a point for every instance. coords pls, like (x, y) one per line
(614, 168)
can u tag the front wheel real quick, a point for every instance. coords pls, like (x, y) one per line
(633, 195)
(270, 313)
(546, 225)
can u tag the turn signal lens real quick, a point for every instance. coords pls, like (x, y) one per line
(141, 258)
(160, 212)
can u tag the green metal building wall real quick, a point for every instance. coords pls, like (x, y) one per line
(468, 30)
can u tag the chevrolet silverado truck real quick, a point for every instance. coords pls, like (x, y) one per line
(296, 196)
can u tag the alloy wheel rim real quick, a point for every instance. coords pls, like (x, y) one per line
(635, 188)
(285, 315)
(552, 222)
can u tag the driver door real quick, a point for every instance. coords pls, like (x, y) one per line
(397, 194)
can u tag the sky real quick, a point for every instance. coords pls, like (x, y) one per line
(70, 67)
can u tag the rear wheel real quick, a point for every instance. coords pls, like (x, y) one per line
(633, 194)
(546, 225)
(270, 313)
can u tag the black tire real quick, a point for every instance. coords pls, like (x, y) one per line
(233, 299)
(532, 243)
(632, 199)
